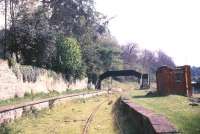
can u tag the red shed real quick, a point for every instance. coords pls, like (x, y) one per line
(174, 81)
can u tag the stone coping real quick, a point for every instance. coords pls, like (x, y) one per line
(158, 123)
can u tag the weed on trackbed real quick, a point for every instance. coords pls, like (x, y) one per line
(68, 118)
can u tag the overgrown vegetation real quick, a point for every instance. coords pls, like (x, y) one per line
(71, 37)
(176, 108)
(4, 129)
(37, 96)
(68, 118)
(30, 73)
(69, 58)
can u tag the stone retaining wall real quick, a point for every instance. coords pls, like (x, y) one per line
(10, 113)
(13, 83)
(144, 120)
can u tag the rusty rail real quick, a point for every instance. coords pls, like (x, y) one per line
(87, 124)
(8, 113)
(11, 107)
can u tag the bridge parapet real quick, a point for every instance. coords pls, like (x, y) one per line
(143, 79)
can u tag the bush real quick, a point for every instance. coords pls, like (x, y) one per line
(69, 58)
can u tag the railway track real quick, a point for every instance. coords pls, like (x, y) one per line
(8, 113)
(91, 116)
(93, 113)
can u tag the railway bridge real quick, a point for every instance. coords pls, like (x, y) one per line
(143, 79)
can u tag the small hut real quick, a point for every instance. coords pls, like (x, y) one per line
(174, 81)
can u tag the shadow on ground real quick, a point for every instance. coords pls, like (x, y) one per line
(149, 94)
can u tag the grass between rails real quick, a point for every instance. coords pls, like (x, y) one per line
(176, 108)
(68, 118)
(29, 97)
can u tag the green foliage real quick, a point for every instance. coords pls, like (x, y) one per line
(109, 53)
(5, 129)
(106, 57)
(102, 56)
(69, 57)
(37, 96)
(33, 39)
(79, 18)
(68, 118)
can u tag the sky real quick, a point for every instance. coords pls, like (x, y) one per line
(169, 25)
(172, 26)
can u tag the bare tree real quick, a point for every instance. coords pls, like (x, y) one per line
(130, 55)
(147, 60)
(164, 59)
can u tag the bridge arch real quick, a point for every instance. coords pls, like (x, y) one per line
(144, 78)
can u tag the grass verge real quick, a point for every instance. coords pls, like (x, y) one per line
(30, 97)
(68, 118)
(176, 108)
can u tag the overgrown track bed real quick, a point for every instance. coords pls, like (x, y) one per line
(38, 96)
(8, 113)
(68, 118)
(89, 120)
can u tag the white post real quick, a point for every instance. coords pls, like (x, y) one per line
(141, 81)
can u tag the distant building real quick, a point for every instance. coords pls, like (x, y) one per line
(174, 81)
(195, 87)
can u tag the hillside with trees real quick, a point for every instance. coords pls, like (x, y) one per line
(71, 37)
(195, 73)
